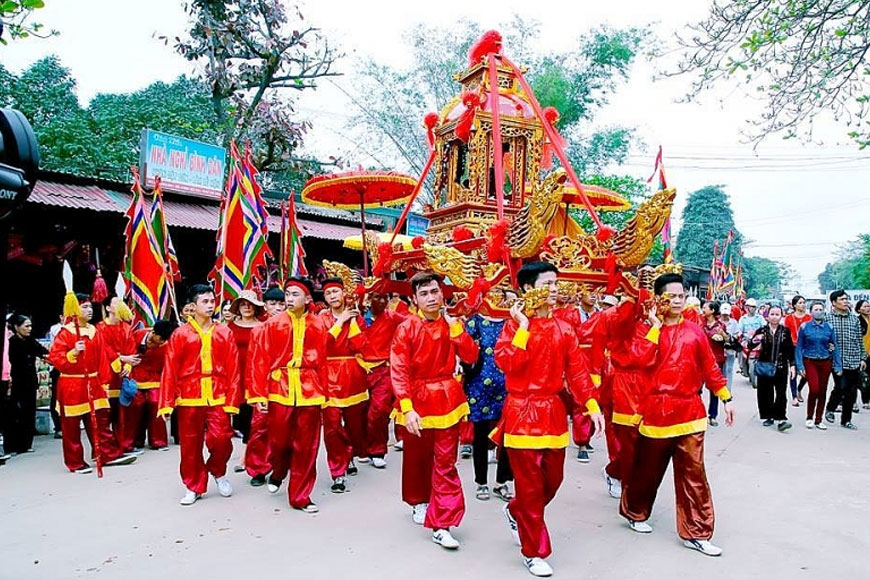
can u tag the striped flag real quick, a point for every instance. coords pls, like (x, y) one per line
(667, 247)
(243, 229)
(167, 250)
(293, 256)
(144, 266)
(727, 279)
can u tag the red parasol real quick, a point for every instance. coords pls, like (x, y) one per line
(359, 190)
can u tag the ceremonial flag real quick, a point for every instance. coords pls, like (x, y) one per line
(712, 279)
(167, 250)
(294, 255)
(727, 278)
(667, 251)
(243, 229)
(143, 266)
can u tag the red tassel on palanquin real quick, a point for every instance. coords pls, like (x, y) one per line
(430, 121)
(417, 242)
(385, 259)
(497, 240)
(489, 42)
(462, 233)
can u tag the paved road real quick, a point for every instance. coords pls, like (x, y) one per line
(791, 505)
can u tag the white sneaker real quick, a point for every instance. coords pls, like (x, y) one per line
(821, 427)
(190, 498)
(614, 486)
(225, 488)
(538, 566)
(379, 462)
(418, 513)
(399, 445)
(445, 539)
(273, 488)
(364, 459)
(640, 527)
(703, 546)
(810, 424)
(311, 508)
(512, 524)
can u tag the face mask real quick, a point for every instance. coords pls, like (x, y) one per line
(819, 316)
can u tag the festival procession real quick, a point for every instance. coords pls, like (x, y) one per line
(477, 328)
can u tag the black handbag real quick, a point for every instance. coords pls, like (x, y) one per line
(765, 368)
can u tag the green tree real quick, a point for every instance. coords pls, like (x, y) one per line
(707, 218)
(802, 57)
(393, 101)
(764, 277)
(253, 55)
(15, 20)
(851, 269)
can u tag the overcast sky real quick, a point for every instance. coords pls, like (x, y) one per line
(797, 202)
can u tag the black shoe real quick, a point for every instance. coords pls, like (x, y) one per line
(338, 485)
(856, 409)
(829, 417)
(767, 422)
(589, 448)
(583, 456)
(851, 426)
(58, 435)
(258, 481)
(465, 451)
(352, 468)
(783, 426)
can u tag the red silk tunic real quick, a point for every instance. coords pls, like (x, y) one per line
(80, 373)
(347, 384)
(117, 340)
(147, 373)
(288, 361)
(423, 366)
(537, 364)
(379, 337)
(201, 370)
(684, 362)
(631, 364)
(243, 336)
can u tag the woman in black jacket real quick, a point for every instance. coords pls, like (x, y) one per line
(777, 355)
(23, 352)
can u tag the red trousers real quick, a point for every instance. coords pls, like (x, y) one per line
(257, 450)
(429, 474)
(381, 400)
(212, 426)
(344, 435)
(141, 416)
(537, 476)
(466, 433)
(695, 517)
(622, 452)
(73, 452)
(116, 420)
(294, 438)
(818, 373)
(605, 392)
(582, 427)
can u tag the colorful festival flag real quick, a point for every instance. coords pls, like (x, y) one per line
(143, 265)
(293, 258)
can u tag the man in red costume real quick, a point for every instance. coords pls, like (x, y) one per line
(344, 415)
(257, 450)
(673, 419)
(381, 325)
(288, 381)
(627, 368)
(539, 355)
(141, 414)
(117, 336)
(432, 403)
(201, 383)
(80, 357)
(581, 318)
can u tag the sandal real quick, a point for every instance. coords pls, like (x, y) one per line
(482, 493)
(502, 492)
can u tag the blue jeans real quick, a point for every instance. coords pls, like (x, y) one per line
(795, 387)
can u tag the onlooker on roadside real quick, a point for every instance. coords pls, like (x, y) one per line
(847, 329)
(731, 346)
(23, 352)
(749, 322)
(716, 334)
(773, 369)
(816, 354)
(862, 309)
(793, 322)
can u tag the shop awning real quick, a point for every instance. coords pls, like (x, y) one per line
(180, 214)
